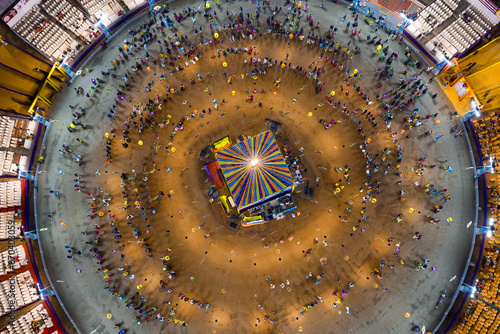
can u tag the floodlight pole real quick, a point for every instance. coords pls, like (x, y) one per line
(484, 301)
(484, 169)
(471, 290)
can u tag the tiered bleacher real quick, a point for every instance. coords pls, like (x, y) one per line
(19, 258)
(10, 194)
(34, 321)
(435, 14)
(70, 17)
(480, 317)
(16, 132)
(20, 288)
(472, 20)
(98, 7)
(6, 160)
(11, 163)
(463, 33)
(6, 130)
(6, 229)
(110, 8)
(37, 28)
(131, 4)
(47, 37)
(11, 209)
(479, 22)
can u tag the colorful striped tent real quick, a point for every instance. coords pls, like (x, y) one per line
(254, 170)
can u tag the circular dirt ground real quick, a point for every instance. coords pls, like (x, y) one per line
(234, 271)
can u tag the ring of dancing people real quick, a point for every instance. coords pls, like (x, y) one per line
(249, 166)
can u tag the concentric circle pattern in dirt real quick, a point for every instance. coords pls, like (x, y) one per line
(267, 278)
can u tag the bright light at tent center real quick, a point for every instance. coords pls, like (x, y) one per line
(254, 162)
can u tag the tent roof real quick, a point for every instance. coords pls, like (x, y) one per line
(251, 184)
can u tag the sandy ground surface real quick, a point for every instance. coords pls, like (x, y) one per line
(228, 269)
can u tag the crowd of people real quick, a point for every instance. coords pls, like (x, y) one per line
(349, 99)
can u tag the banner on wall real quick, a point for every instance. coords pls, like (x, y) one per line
(30, 235)
(27, 175)
(40, 119)
(18, 11)
(66, 67)
(104, 29)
